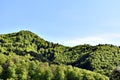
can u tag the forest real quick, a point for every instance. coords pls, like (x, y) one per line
(26, 56)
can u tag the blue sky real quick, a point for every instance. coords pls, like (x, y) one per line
(68, 22)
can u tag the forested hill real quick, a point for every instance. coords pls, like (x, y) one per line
(27, 46)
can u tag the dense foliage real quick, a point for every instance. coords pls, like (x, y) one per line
(101, 58)
(14, 67)
(115, 74)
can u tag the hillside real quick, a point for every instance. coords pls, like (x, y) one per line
(15, 67)
(100, 58)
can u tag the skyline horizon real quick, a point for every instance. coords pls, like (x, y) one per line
(75, 42)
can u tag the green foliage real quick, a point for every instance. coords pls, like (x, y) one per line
(31, 49)
(115, 74)
(60, 74)
(1, 70)
(21, 68)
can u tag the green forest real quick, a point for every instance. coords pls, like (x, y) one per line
(26, 56)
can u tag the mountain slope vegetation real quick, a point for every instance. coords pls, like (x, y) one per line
(15, 67)
(102, 58)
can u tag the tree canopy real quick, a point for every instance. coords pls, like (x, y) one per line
(24, 55)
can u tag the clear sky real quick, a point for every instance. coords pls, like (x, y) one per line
(68, 22)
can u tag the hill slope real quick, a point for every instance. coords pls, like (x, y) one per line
(100, 58)
(15, 67)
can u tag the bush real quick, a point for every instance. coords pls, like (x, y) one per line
(115, 74)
